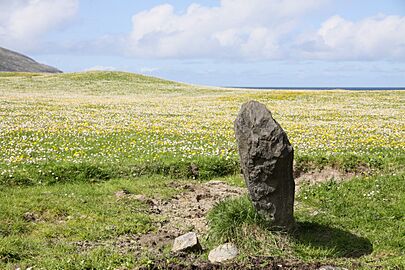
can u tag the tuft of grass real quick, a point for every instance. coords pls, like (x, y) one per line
(227, 218)
(236, 220)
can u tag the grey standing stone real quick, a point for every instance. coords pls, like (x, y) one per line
(187, 242)
(223, 253)
(266, 157)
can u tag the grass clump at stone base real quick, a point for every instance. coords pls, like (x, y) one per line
(359, 223)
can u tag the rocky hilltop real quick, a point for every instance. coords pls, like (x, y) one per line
(15, 62)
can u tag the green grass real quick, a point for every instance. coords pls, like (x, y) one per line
(68, 142)
(43, 225)
(360, 222)
(69, 172)
(144, 125)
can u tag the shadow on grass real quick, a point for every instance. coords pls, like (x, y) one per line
(343, 243)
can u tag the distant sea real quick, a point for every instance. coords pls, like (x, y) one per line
(319, 88)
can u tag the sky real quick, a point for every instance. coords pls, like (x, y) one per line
(273, 43)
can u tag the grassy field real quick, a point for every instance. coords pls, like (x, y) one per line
(70, 141)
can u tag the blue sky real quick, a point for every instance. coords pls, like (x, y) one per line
(307, 43)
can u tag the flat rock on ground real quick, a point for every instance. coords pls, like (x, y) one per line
(329, 267)
(187, 242)
(223, 253)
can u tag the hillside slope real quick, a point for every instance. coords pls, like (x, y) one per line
(98, 83)
(15, 62)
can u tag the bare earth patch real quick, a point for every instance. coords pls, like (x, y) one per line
(187, 212)
(326, 174)
(183, 213)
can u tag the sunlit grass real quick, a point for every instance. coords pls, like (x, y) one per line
(121, 118)
(359, 223)
(68, 142)
(61, 226)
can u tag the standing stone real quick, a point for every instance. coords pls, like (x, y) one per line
(266, 158)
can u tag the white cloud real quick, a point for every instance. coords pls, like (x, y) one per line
(148, 70)
(374, 38)
(101, 68)
(235, 29)
(249, 29)
(24, 22)
(263, 29)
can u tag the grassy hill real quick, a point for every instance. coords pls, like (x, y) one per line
(11, 61)
(70, 141)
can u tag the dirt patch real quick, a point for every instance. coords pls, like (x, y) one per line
(182, 213)
(187, 211)
(324, 175)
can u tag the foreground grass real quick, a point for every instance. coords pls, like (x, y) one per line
(358, 224)
(59, 226)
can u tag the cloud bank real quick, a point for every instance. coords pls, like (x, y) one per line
(24, 22)
(263, 29)
(374, 38)
(236, 28)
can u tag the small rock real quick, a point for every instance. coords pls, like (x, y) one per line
(223, 253)
(121, 193)
(200, 197)
(144, 199)
(188, 187)
(140, 197)
(194, 171)
(215, 183)
(187, 242)
(152, 203)
(330, 267)
(29, 216)
(155, 210)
